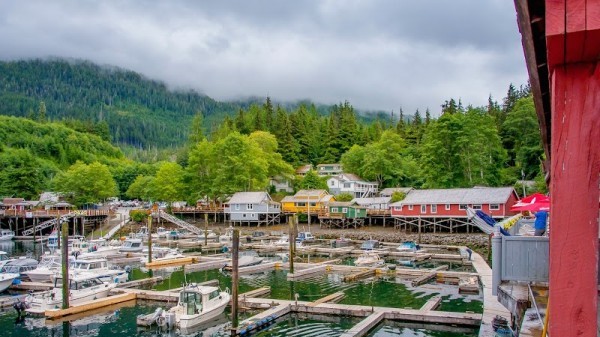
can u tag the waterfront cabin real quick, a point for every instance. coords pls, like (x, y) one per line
(307, 201)
(352, 184)
(329, 169)
(252, 207)
(347, 210)
(375, 203)
(446, 203)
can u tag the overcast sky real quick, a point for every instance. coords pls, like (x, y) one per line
(375, 54)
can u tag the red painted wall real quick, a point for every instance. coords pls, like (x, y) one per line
(454, 210)
(574, 199)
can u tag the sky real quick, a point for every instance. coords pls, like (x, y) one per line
(376, 54)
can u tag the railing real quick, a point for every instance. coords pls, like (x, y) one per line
(54, 213)
(379, 212)
(189, 227)
(218, 209)
(519, 258)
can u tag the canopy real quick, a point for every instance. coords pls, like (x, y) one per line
(535, 202)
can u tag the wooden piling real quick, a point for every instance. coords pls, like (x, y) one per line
(234, 281)
(292, 240)
(65, 262)
(205, 229)
(149, 239)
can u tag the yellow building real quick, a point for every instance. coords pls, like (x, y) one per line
(307, 201)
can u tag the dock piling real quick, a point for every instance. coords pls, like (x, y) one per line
(234, 281)
(65, 263)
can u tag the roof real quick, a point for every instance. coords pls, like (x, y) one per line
(371, 201)
(391, 190)
(303, 198)
(310, 193)
(475, 195)
(12, 201)
(249, 198)
(304, 168)
(320, 165)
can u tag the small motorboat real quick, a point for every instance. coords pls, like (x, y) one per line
(53, 240)
(369, 259)
(6, 279)
(341, 242)
(407, 246)
(370, 245)
(196, 305)
(142, 233)
(283, 241)
(101, 270)
(49, 266)
(304, 236)
(161, 233)
(132, 245)
(6, 235)
(211, 236)
(246, 259)
(20, 266)
(83, 287)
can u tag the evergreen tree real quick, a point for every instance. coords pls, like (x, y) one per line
(269, 113)
(197, 129)
(427, 117)
(42, 112)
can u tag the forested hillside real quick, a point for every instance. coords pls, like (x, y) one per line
(138, 111)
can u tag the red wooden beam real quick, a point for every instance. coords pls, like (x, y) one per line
(574, 199)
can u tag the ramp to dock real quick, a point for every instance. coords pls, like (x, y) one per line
(175, 220)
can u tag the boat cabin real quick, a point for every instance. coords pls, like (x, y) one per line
(132, 245)
(20, 265)
(194, 299)
(79, 283)
(85, 265)
(304, 236)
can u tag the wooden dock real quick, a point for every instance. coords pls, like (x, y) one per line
(91, 305)
(305, 272)
(429, 276)
(333, 298)
(171, 262)
(365, 325)
(201, 266)
(361, 274)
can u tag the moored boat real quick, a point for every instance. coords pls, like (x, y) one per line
(246, 259)
(6, 279)
(132, 245)
(6, 235)
(407, 246)
(369, 259)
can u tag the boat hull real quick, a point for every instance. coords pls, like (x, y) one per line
(190, 321)
(40, 305)
(6, 280)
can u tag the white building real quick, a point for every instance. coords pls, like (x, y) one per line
(353, 184)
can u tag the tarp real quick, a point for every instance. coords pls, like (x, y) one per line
(484, 222)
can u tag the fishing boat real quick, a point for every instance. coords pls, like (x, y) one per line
(83, 287)
(132, 245)
(246, 259)
(49, 266)
(407, 246)
(20, 266)
(196, 305)
(6, 235)
(6, 279)
(100, 268)
(161, 233)
(369, 259)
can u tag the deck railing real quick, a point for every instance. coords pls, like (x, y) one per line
(53, 213)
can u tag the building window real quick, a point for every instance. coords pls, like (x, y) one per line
(250, 206)
(347, 185)
(332, 183)
(476, 207)
(423, 209)
(243, 215)
(334, 209)
(344, 210)
(397, 208)
(410, 207)
(237, 207)
(433, 208)
(301, 204)
(494, 207)
(313, 204)
(447, 207)
(462, 207)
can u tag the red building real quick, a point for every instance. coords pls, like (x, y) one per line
(447, 208)
(454, 202)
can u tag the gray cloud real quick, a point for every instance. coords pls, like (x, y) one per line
(376, 54)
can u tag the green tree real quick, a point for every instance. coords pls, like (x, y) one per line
(312, 181)
(168, 184)
(397, 196)
(141, 188)
(42, 112)
(197, 129)
(344, 197)
(86, 183)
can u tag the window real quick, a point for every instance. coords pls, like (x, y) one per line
(423, 209)
(347, 185)
(462, 207)
(433, 208)
(397, 208)
(476, 207)
(250, 206)
(313, 204)
(410, 207)
(300, 204)
(213, 294)
(447, 207)
(334, 209)
(494, 207)
(237, 207)
(243, 215)
(344, 210)
(332, 183)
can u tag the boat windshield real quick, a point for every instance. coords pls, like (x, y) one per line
(4, 257)
(192, 302)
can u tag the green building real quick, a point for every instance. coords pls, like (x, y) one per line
(347, 210)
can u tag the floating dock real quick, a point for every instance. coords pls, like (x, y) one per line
(91, 305)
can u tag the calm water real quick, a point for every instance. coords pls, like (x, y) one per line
(376, 291)
(406, 329)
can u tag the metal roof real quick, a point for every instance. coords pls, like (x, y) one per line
(390, 190)
(371, 201)
(249, 198)
(475, 195)
(310, 193)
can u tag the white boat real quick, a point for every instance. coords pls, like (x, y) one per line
(99, 268)
(82, 288)
(197, 304)
(211, 236)
(20, 266)
(52, 240)
(6, 235)
(6, 279)
(99, 248)
(407, 246)
(246, 259)
(132, 245)
(49, 266)
(369, 259)
(142, 233)
(227, 238)
(161, 233)
(4, 258)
